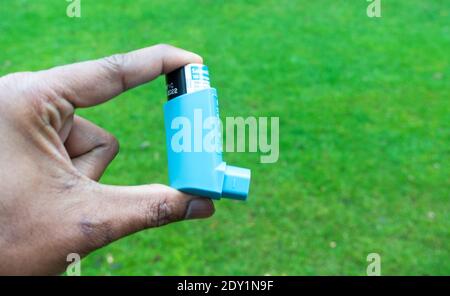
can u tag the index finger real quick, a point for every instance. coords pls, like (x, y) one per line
(90, 83)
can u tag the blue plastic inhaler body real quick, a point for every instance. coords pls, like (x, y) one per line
(193, 138)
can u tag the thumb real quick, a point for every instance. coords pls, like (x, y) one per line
(117, 211)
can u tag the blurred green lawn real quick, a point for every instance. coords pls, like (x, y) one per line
(364, 136)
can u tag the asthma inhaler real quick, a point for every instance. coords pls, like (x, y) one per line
(194, 140)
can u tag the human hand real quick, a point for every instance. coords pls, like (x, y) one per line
(50, 161)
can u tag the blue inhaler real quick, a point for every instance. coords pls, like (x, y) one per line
(194, 139)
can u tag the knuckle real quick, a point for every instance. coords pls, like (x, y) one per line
(47, 105)
(159, 212)
(114, 65)
(110, 143)
(115, 61)
(95, 233)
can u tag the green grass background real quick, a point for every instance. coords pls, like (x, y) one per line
(364, 128)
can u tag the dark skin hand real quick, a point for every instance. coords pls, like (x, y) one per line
(50, 161)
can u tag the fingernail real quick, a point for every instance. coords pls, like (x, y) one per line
(199, 208)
